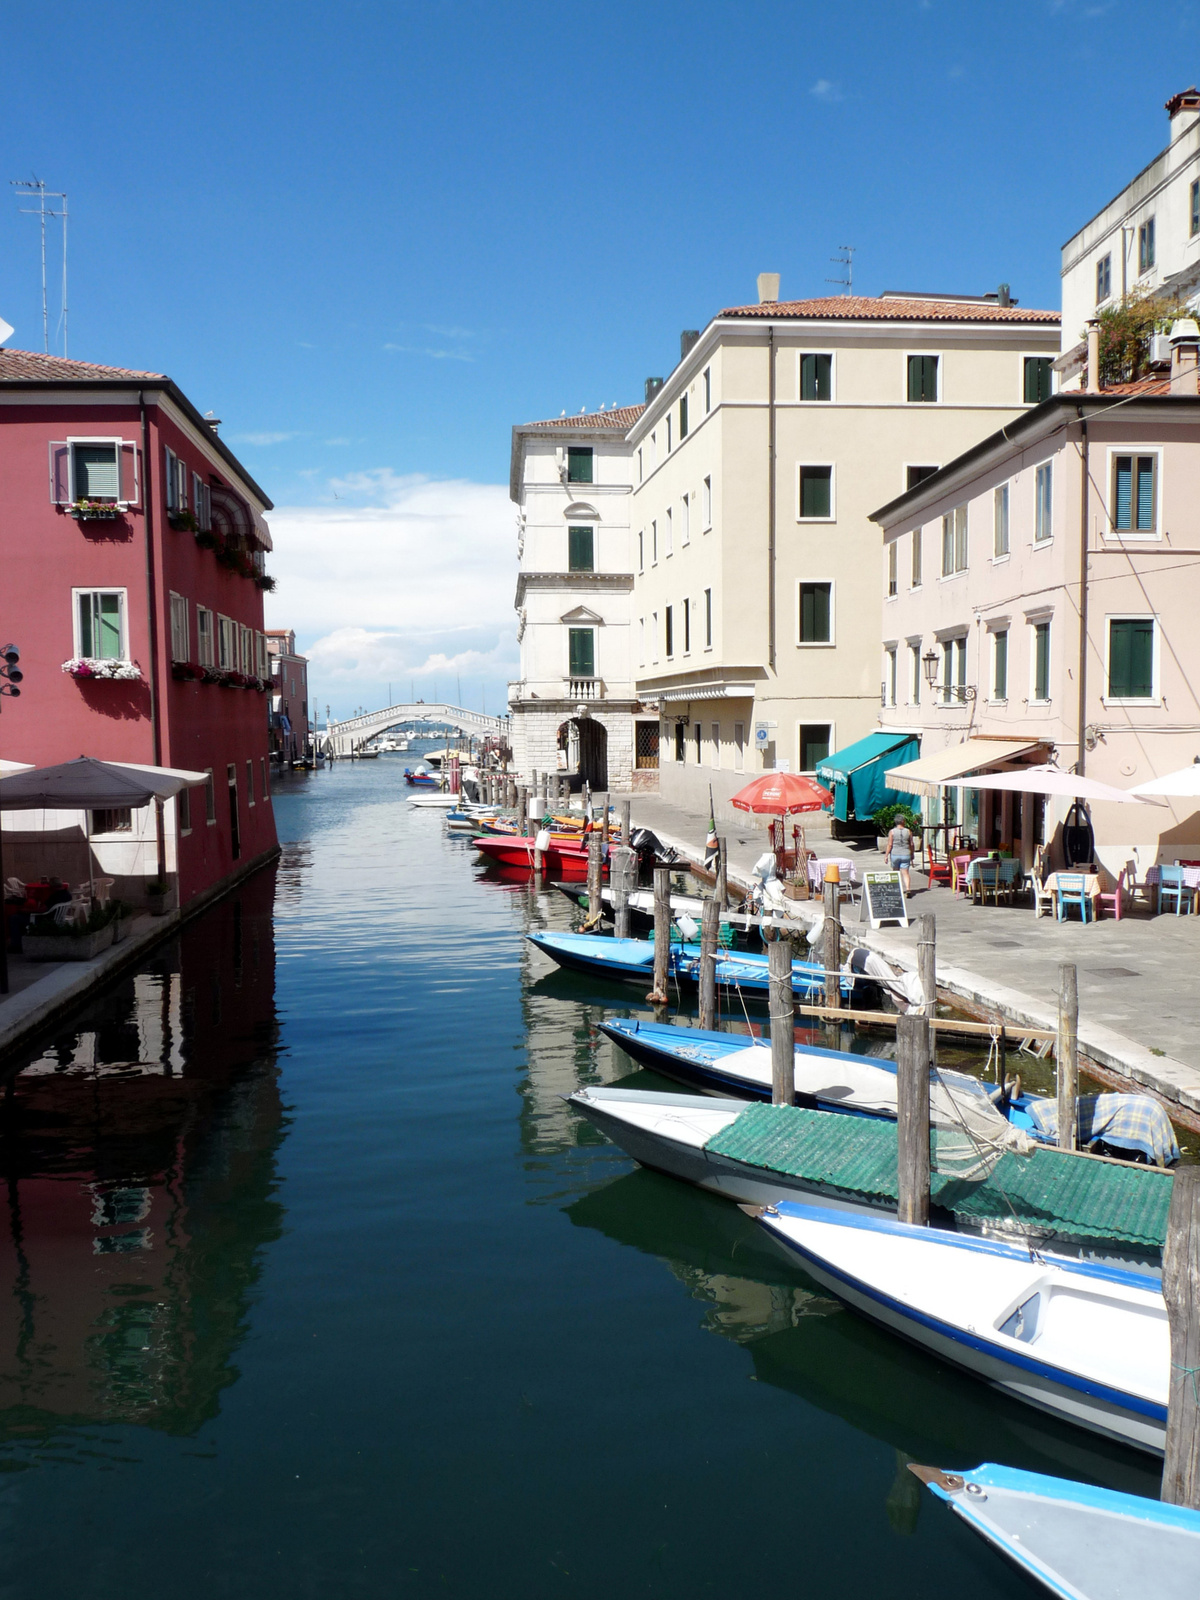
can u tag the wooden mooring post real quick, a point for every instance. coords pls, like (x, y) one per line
(523, 809)
(783, 1022)
(912, 1118)
(595, 880)
(626, 822)
(927, 961)
(722, 889)
(831, 936)
(1181, 1291)
(1067, 1056)
(622, 878)
(710, 926)
(604, 818)
(662, 935)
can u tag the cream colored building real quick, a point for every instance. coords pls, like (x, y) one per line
(1146, 238)
(755, 470)
(994, 601)
(573, 707)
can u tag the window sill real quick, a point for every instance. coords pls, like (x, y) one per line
(1038, 704)
(1152, 702)
(950, 577)
(815, 644)
(815, 519)
(708, 529)
(211, 822)
(1001, 561)
(993, 702)
(1132, 536)
(1042, 544)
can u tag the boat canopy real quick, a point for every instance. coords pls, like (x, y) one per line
(956, 764)
(855, 775)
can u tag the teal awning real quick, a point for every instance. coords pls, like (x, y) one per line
(854, 776)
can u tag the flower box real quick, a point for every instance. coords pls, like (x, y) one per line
(183, 520)
(95, 667)
(94, 511)
(66, 946)
(188, 671)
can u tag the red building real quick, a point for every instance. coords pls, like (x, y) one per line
(289, 697)
(131, 578)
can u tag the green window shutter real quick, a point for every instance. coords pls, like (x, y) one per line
(1037, 379)
(1145, 493)
(1123, 492)
(580, 550)
(583, 653)
(814, 613)
(579, 464)
(816, 484)
(922, 377)
(814, 745)
(683, 416)
(1041, 689)
(1131, 659)
(816, 377)
(1000, 682)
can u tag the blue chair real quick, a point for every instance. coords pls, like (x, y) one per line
(1170, 882)
(1070, 889)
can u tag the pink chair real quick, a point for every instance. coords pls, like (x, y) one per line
(1113, 898)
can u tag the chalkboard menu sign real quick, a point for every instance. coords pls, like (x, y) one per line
(883, 899)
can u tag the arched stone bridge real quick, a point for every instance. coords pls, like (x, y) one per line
(344, 738)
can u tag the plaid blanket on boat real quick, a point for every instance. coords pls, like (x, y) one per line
(1125, 1121)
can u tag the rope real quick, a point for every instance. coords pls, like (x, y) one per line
(1194, 1374)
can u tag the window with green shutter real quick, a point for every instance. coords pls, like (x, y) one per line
(922, 377)
(815, 613)
(816, 377)
(579, 464)
(683, 416)
(1000, 665)
(1135, 494)
(581, 550)
(816, 491)
(1037, 379)
(583, 652)
(1131, 658)
(1041, 661)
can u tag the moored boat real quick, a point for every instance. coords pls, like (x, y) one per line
(558, 856)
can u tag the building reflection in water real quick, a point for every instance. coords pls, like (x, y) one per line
(138, 1158)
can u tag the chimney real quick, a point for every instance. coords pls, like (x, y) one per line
(1185, 356)
(1004, 295)
(653, 385)
(1183, 110)
(768, 288)
(213, 422)
(687, 339)
(1091, 373)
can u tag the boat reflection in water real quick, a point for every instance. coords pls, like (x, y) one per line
(138, 1152)
(801, 1340)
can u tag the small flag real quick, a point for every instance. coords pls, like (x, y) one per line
(711, 848)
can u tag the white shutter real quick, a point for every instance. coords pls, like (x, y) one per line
(60, 472)
(172, 481)
(130, 477)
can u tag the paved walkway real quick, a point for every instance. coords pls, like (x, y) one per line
(1139, 999)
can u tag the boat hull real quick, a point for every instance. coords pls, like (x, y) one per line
(620, 959)
(519, 852)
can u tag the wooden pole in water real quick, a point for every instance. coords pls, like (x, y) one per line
(710, 923)
(1067, 1056)
(626, 823)
(523, 809)
(595, 891)
(783, 1022)
(831, 935)
(604, 817)
(722, 874)
(622, 877)
(927, 960)
(912, 1119)
(662, 934)
(1181, 1291)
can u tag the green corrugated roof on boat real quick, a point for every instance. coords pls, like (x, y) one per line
(1050, 1190)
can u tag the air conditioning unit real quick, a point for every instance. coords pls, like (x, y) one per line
(1160, 350)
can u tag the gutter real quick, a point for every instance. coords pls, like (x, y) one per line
(1084, 468)
(771, 497)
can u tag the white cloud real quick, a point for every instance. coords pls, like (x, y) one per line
(399, 577)
(263, 438)
(824, 89)
(434, 355)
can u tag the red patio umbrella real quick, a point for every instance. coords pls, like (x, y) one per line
(779, 794)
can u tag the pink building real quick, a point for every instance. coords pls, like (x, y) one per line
(132, 551)
(1040, 604)
(289, 697)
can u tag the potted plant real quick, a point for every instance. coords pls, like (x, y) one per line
(94, 510)
(183, 519)
(102, 667)
(265, 582)
(50, 939)
(158, 897)
(206, 539)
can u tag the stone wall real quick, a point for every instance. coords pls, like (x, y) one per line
(535, 737)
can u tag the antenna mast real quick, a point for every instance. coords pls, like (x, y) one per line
(846, 259)
(36, 187)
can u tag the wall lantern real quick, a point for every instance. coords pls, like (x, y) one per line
(930, 662)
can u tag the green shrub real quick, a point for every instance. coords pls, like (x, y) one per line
(1126, 330)
(885, 818)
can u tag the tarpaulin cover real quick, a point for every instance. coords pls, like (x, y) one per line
(855, 774)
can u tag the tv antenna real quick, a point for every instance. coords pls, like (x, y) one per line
(35, 188)
(846, 259)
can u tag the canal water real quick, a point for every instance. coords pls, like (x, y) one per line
(311, 1285)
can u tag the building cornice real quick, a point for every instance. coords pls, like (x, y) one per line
(584, 582)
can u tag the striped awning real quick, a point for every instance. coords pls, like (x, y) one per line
(956, 764)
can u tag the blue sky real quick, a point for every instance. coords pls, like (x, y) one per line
(373, 236)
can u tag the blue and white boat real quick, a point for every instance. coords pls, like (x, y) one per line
(624, 959)
(1075, 1540)
(1085, 1341)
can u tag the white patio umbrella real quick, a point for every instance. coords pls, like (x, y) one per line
(1052, 780)
(1182, 785)
(88, 785)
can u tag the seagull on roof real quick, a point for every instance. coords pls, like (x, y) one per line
(562, 413)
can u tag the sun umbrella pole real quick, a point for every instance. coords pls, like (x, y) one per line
(160, 835)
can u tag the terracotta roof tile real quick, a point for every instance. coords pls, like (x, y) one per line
(892, 308)
(1157, 383)
(618, 417)
(25, 365)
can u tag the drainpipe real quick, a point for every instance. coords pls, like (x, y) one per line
(771, 497)
(1083, 585)
(152, 628)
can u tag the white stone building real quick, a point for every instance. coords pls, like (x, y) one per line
(574, 708)
(1146, 238)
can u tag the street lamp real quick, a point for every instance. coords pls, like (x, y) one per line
(930, 662)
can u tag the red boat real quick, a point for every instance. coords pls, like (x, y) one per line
(560, 860)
